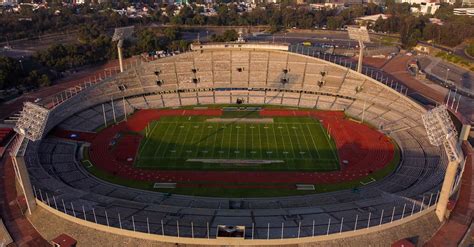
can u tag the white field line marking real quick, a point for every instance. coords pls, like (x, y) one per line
(90, 164)
(147, 139)
(180, 132)
(306, 142)
(216, 133)
(222, 143)
(168, 143)
(291, 142)
(329, 143)
(230, 142)
(184, 141)
(371, 181)
(314, 143)
(297, 140)
(199, 140)
(260, 142)
(274, 137)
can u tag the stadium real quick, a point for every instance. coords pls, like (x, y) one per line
(249, 144)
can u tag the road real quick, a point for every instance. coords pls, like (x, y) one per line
(461, 78)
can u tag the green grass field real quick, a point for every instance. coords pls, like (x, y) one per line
(301, 143)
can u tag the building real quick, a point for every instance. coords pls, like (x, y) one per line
(370, 19)
(463, 11)
(320, 6)
(468, 2)
(8, 2)
(429, 8)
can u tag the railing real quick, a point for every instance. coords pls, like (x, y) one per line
(298, 228)
(346, 62)
(66, 94)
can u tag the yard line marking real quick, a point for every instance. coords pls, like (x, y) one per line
(183, 143)
(178, 138)
(307, 145)
(147, 139)
(274, 136)
(168, 143)
(191, 143)
(237, 143)
(161, 140)
(297, 140)
(229, 143)
(260, 141)
(314, 143)
(329, 143)
(222, 141)
(199, 141)
(216, 133)
(251, 138)
(291, 143)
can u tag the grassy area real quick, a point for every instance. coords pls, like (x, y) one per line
(470, 49)
(168, 131)
(301, 142)
(455, 59)
(388, 41)
(238, 192)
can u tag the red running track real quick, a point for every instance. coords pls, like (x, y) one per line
(365, 149)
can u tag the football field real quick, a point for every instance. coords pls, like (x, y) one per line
(208, 143)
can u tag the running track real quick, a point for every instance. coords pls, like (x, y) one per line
(365, 149)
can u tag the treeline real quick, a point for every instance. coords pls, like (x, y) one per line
(281, 16)
(29, 24)
(14, 73)
(455, 29)
(94, 46)
(62, 18)
(277, 16)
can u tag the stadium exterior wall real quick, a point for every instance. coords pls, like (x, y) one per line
(234, 241)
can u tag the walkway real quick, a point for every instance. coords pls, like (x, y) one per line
(20, 229)
(453, 231)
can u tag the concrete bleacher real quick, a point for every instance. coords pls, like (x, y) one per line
(55, 170)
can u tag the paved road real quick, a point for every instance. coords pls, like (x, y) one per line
(459, 50)
(461, 78)
(397, 67)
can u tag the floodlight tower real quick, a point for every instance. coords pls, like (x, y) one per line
(360, 34)
(441, 131)
(120, 35)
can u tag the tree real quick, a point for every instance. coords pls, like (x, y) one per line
(171, 33)
(9, 72)
(335, 22)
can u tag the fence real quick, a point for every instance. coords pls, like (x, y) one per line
(64, 95)
(167, 226)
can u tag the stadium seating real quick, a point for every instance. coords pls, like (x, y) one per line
(255, 76)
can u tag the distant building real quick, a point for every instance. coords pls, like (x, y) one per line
(468, 2)
(463, 11)
(319, 6)
(370, 19)
(425, 8)
(429, 8)
(8, 2)
(436, 21)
